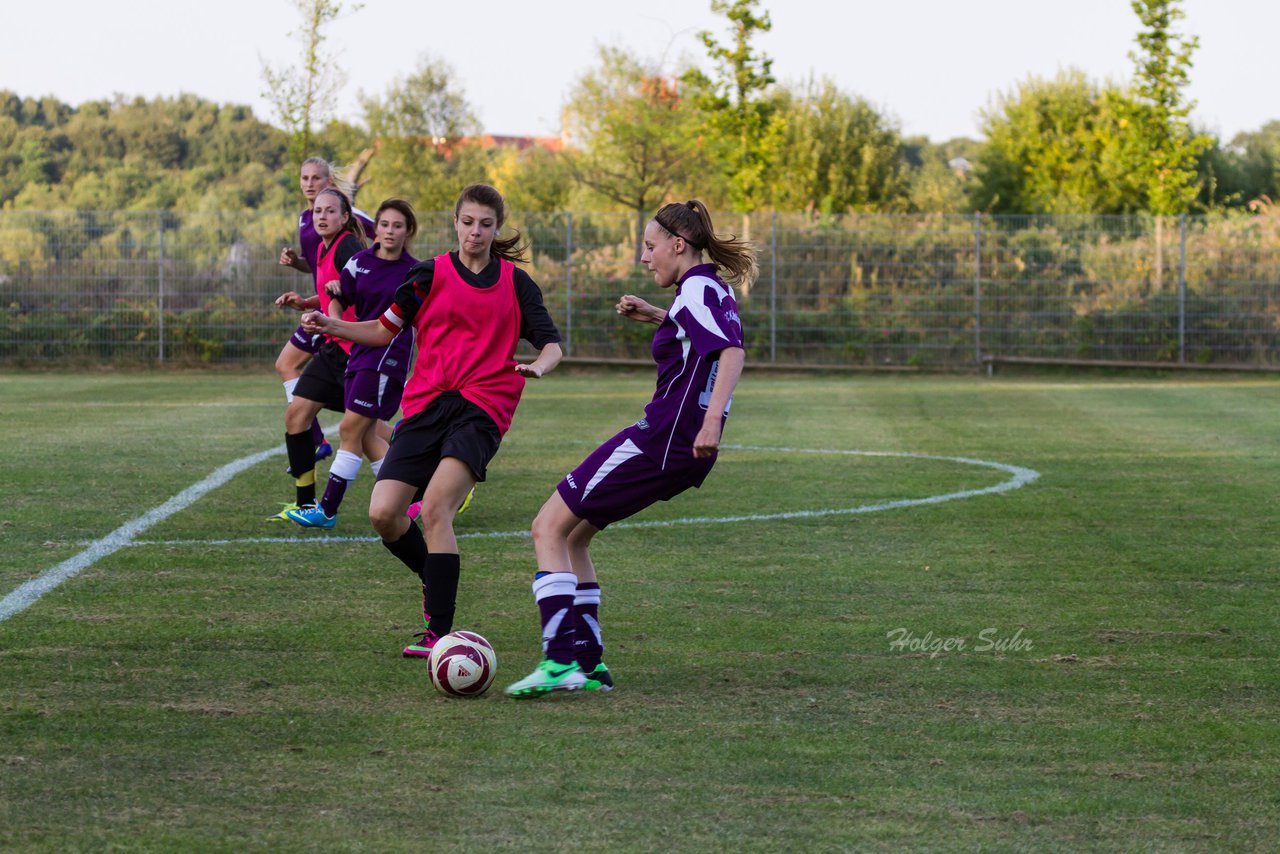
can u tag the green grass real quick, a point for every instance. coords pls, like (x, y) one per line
(251, 695)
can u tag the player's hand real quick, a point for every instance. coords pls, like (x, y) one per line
(334, 287)
(706, 443)
(314, 322)
(292, 300)
(530, 371)
(631, 306)
(288, 257)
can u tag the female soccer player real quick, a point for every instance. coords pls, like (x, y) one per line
(321, 383)
(469, 308)
(316, 174)
(375, 375)
(699, 356)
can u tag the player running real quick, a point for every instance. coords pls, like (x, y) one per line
(375, 376)
(699, 355)
(469, 308)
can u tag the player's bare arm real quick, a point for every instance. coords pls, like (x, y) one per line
(546, 362)
(371, 333)
(634, 308)
(297, 302)
(707, 442)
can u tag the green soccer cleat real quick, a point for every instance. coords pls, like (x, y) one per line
(598, 679)
(283, 515)
(548, 676)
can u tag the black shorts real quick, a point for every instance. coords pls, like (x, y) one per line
(450, 426)
(324, 378)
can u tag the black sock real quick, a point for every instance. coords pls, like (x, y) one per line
(411, 550)
(302, 465)
(441, 580)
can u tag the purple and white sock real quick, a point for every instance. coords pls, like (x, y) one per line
(554, 592)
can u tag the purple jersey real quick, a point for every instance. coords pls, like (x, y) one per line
(369, 283)
(702, 321)
(309, 241)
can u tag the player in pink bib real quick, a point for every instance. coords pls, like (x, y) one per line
(469, 309)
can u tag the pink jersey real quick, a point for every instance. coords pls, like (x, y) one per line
(467, 340)
(327, 270)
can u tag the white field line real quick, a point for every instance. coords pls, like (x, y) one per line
(30, 592)
(27, 594)
(1020, 477)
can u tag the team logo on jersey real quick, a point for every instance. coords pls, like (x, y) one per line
(643, 424)
(573, 484)
(364, 403)
(732, 315)
(360, 269)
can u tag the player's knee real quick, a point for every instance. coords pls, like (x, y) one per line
(544, 528)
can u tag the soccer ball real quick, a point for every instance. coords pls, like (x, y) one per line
(463, 664)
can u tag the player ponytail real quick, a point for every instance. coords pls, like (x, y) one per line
(511, 248)
(692, 221)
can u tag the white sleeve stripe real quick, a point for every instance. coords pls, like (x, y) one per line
(352, 267)
(696, 304)
(390, 317)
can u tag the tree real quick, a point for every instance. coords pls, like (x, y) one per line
(1161, 137)
(1057, 146)
(634, 134)
(834, 154)
(305, 96)
(742, 120)
(417, 126)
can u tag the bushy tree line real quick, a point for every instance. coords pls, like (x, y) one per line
(639, 131)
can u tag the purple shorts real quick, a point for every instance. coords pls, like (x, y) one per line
(305, 341)
(619, 480)
(372, 394)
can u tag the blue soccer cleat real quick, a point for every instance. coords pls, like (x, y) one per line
(311, 516)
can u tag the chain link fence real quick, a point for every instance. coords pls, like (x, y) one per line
(858, 290)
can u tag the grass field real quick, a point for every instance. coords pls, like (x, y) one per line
(1087, 662)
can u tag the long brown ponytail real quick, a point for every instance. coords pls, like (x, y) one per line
(692, 221)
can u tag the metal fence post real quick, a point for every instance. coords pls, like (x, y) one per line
(1182, 288)
(568, 285)
(160, 289)
(977, 287)
(773, 292)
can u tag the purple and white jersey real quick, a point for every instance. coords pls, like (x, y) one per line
(309, 241)
(702, 321)
(369, 283)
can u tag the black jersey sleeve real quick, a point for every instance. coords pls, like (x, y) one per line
(409, 296)
(536, 325)
(342, 253)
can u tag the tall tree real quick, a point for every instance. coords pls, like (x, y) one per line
(1057, 146)
(1166, 147)
(417, 125)
(634, 135)
(742, 119)
(304, 96)
(835, 153)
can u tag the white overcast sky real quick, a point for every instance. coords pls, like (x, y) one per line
(930, 64)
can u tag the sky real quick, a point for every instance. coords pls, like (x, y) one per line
(930, 65)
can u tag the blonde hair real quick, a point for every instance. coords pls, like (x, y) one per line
(332, 172)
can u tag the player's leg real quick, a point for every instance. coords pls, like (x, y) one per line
(588, 640)
(342, 473)
(554, 589)
(292, 360)
(301, 452)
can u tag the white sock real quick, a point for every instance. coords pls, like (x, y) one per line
(346, 465)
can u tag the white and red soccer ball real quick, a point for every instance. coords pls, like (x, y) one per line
(463, 664)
